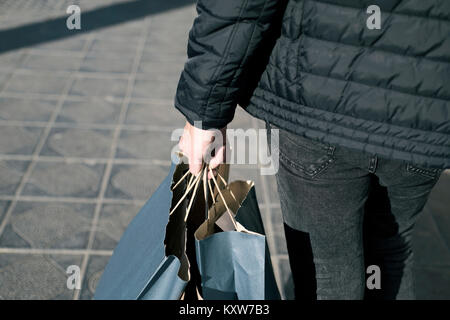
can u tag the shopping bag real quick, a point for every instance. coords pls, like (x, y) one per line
(231, 248)
(150, 260)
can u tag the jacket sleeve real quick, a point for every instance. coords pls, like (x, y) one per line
(226, 39)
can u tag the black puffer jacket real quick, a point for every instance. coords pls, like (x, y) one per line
(319, 71)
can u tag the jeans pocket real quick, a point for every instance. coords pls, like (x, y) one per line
(305, 156)
(431, 173)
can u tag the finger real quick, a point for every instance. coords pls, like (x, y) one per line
(218, 158)
(181, 144)
(195, 168)
(214, 173)
(195, 159)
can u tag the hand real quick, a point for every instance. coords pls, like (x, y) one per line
(196, 143)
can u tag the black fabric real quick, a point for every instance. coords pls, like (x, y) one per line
(328, 76)
(301, 262)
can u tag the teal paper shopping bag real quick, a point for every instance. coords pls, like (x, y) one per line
(150, 261)
(232, 252)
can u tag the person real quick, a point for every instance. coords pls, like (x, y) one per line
(360, 94)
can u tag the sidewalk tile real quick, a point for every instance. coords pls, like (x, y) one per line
(114, 218)
(439, 206)
(157, 70)
(99, 87)
(64, 179)
(87, 143)
(48, 225)
(36, 83)
(16, 109)
(10, 60)
(3, 207)
(11, 172)
(164, 115)
(273, 188)
(93, 274)
(66, 44)
(18, 140)
(145, 145)
(95, 110)
(112, 48)
(429, 247)
(35, 277)
(49, 62)
(135, 181)
(4, 76)
(144, 88)
(277, 232)
(287, 285)
(106, 64)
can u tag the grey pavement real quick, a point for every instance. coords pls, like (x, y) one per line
(85, 124)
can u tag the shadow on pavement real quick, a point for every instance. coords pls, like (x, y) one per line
(54, 29)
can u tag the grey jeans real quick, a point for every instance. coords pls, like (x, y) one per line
(344, 210)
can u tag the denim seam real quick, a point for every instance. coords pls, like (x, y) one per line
(302, 168)
(430, 173)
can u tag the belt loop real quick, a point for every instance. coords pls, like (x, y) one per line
(269, 136)
(373, 164)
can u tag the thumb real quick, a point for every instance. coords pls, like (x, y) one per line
(217, 159)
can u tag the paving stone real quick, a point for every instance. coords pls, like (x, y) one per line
(175, 43)
(145, 145)
(18, 140)
(154, 53)
(157, 70)
(287, 284)
(74, 44)
(135, 181)
(51, 62)
(36, 83)
(277, 232)
(114, 218)
(4, 76)
(241, 120)
(99, 87)
(11, 172)
(95, 110)
(167, 50)
(164, 115)
(10, 237)
(107, 64)
(93, 274)
(34, 276)
(3, 207)
(107, 47)
(48, 225)
(130, 30)
(151, 89)
(64, 262)
(429, 247)
(64, 179)
(16, 109)
(248, 172)
(273, 189)
(439, 206)
(71, 142)
(10, 60)
(181, 17)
